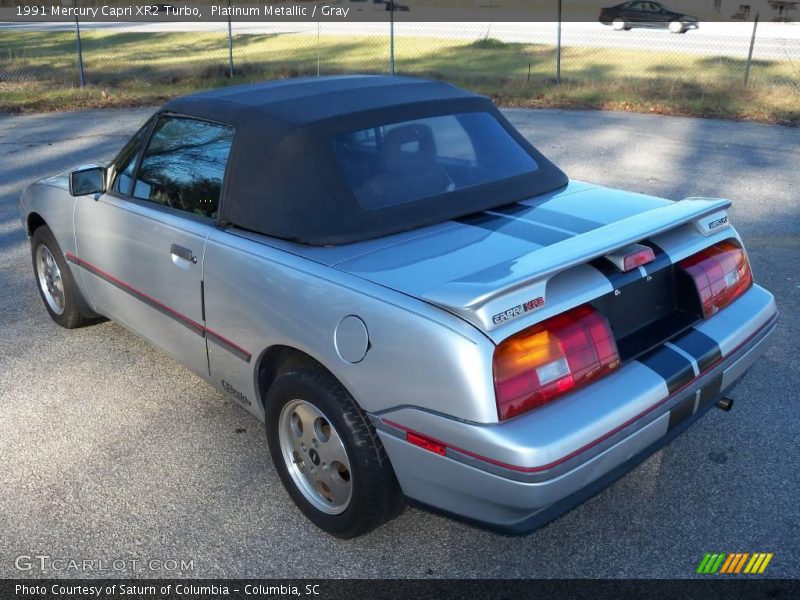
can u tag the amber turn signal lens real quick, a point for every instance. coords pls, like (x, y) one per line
(543, 362)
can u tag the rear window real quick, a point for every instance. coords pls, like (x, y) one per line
(398, 163)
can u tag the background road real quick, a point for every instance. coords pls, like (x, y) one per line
(775, 41)
(111, 450)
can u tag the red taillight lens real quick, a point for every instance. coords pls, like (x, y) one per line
(721, 273)
(547, 360)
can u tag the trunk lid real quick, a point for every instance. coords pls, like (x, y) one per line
(484, 265)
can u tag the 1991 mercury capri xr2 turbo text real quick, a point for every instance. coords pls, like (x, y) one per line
(416, 301)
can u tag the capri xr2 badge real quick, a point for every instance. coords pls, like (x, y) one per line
(521, 309)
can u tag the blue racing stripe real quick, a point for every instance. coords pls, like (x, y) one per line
(703, 348)
(675, 369)
(517, 228)
(549, 218)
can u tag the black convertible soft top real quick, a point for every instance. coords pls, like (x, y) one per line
(284, 180)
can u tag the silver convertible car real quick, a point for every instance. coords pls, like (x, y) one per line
(415, 300)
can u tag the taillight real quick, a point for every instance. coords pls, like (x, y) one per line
(721, 273)
(540, 363)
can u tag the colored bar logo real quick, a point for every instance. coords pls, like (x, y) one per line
(732, 563)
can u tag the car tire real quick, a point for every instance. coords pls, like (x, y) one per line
(620, 25)
(54, 280)
(328, 454)
(677, 27)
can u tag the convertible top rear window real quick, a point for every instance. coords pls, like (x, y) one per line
(399, 163)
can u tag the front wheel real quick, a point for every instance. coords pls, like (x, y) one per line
(54, 280)
(328, 454)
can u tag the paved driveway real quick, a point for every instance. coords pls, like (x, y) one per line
(110, 450)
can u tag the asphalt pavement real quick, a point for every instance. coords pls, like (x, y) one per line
(112, 451)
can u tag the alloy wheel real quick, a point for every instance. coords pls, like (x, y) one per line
(315, 456)
(50, 282)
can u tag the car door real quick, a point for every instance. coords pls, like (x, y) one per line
(141, 244)
(654, 15)
(665, 16)
(635, 13)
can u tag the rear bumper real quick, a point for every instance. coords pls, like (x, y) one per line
(518, 475)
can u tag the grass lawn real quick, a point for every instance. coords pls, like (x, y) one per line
(38, 71)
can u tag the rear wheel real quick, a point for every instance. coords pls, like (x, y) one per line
(314, 455)
(677, 27)
(328, 454)
(54, 280)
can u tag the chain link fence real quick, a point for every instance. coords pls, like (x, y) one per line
(714, 53)
(124, 56)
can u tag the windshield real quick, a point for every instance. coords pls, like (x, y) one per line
(400, 163)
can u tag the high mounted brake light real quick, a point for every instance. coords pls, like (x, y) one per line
(631, 257)
(721, 273)
(558, 355)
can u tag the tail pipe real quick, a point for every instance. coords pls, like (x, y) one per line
(725, 403)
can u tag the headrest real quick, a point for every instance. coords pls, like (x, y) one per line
(408, 147)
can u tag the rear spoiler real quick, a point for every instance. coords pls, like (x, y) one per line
(523, 279)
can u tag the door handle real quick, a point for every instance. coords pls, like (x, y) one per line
(183, 253)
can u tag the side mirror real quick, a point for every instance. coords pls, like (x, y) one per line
(87, 180)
